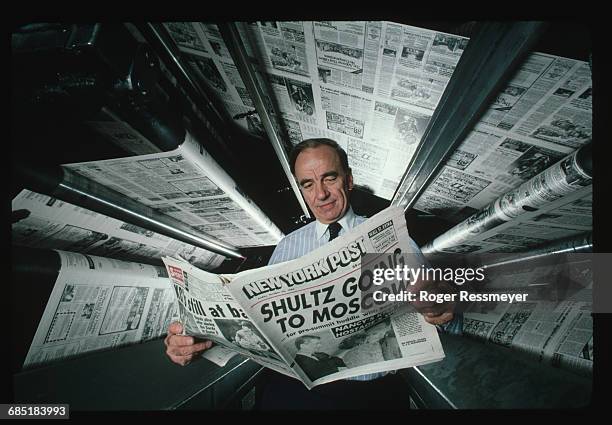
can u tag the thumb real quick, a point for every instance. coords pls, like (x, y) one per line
(175, 328)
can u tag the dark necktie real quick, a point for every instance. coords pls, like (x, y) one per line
(334, 229)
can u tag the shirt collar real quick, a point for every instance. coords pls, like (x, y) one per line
(347, 222)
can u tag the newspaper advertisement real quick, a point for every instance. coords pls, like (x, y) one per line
(554, 204)
(40, 221)
(310, 311)
(542, 114)
(189, 185)
(347, 53)
(99, 303)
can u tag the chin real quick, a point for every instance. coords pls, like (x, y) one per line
(329, 217)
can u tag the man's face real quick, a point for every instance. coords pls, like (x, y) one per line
(311, 345)
(376, 333)
(324, 183)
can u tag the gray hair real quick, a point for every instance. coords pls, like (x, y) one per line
(313, 143)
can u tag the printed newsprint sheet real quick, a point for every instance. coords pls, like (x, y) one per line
(370, 85)
(100, 303)
(559, 333)
(189, 185)
(373, 87)
(543, 114)
(307, 317)
(552, 205)
(39, 221)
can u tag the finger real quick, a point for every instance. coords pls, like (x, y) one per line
(187, 350)
(435, 310)
(201, 346)
(438, 319)
(184, 355)
(181, 360)
(181, 340)
(174, 350)
(172, 340)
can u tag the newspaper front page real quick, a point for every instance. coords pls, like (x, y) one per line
(310, 311)
(207, 309)
(100, 303)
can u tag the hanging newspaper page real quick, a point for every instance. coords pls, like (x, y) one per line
(554, 204)
(99, 303)
(40, 221)
(370, 85)
(542, 114)
(555, 326)
(189, 185)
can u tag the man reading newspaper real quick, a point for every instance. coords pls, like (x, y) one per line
(321, 169)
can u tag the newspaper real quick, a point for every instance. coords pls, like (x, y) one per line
(205, 52)
(542, 114)
(99, 303)
(552, 329)
(554, 204)
(370, 85)
(39, 221)
(560, 334)
(121, 133)
(373, 86)
(189, 185)
(306, 318)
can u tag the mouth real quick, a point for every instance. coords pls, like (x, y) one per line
(327, 207)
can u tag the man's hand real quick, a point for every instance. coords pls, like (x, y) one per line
(181, 349)
(438, 319)
(434, 313)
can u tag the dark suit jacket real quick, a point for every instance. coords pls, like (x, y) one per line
(316, 369)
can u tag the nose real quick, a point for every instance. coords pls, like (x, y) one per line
(321, 191)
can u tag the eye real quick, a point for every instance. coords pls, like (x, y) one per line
(330, 179)
(307, 185)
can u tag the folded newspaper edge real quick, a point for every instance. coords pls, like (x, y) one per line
(304, 318)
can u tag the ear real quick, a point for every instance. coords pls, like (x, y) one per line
(349, 180)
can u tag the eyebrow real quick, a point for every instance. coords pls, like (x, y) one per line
(323, 176)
